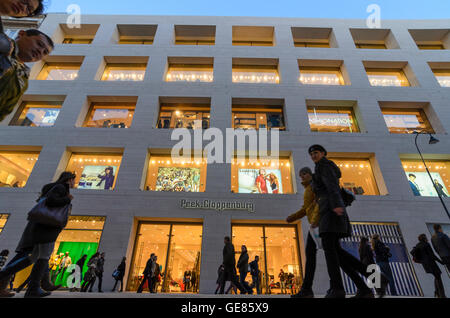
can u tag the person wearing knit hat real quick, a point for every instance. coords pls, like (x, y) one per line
(317, 148)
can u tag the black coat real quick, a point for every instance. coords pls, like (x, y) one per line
(242, 263)
(428, 258)
(381, 252)
(35, 233)
(366, 255)
(121, 269)
(328, 192)
(229, 262)
(148, 267)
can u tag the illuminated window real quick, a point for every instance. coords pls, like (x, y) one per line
(442, 76)
(256, 117)
(406, 121)
(321, 76)
(178, 247)
(378, 39)
(77, 41)
(184, 117)
(95, 172)
(265, 176)
(110, 115)
(180, 175)
(420, 182)
(82, 34)
(332, 119)
(16, 167)
(124, 72)
(379, 46)
(37, 114)
(59, 72)
(189, 73)
(313, 37)
(195, 34)
(253, 35)
(431, 39)
(357, 176)
(387, 77)
(136, 33)
(3, 219)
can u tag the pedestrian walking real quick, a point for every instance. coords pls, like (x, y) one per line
(118, 275)
(89, 277)
(441, 244)
(220, 273)
(255, 272)
(365, 252)
(99, 271)
(155, 274)
(146, 275)
(3, 258)
(242, 265)
(80, 264)
(334, 224)
(382, 255)
(423, 254)
(38, 240)
(310, 208)
(229, 262)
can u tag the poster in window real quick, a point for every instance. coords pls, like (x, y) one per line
(260, 181)
(421, 184)
(97, 177)
(174, 179)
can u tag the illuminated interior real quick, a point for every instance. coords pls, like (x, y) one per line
(255, 74)
(321, 76)
(332, 119)
(110, 115)
(357, 176)
(178, 248)
(190, 73)
(16, 167)
(443, 77)
(59, 72)
(261, 176)
(80, 237)
(420, 182)
(124, 72)
(406, 121)
(95, 171)
(176, 175)
(385, 77)
(191, 117)
(77, 40)
(3, 219)
(251, 117)
(277, 248)
(38, 114)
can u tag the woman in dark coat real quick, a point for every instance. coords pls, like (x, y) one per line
(428, 260)
(365, 252)
(38, 240)
(121, 270)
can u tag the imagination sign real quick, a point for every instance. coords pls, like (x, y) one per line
(217, 205)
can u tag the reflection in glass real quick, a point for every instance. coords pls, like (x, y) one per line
(442, 76)
(321, 76)
(406, 121)
(108, 116)
(387, 78)
(38, 116)
(124, 72)
(16, 167)
(324, 119)
(184, 117)
(420, 182)
(190, 73)
(59, 72)
(258, 118)
(357, 176)
(256, 75)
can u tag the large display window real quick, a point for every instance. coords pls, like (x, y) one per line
(190, 73)
(124, 72)
(255, 74)
(3, 219)
(95, 171)
(357, 176)
(37, 114)
(406, 121)
(387, 77)
(321, 76)
(165, 174)
(251, 117)
(262, 176)
(59, 72)
(443, 77)
(278, 249)
(178, 250)
(110, 115)
(332, 119)
(184, 117)
(420, 182)
(16, 167)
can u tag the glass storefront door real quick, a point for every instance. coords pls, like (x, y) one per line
(178, 248)
(278, 249)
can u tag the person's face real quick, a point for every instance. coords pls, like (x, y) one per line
(71, 183)
(243, 249)
(316, 155)
(306, 177)
(32, 48)
(18, 8)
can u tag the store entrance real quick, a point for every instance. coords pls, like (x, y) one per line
(178, 250)
(278, 249)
